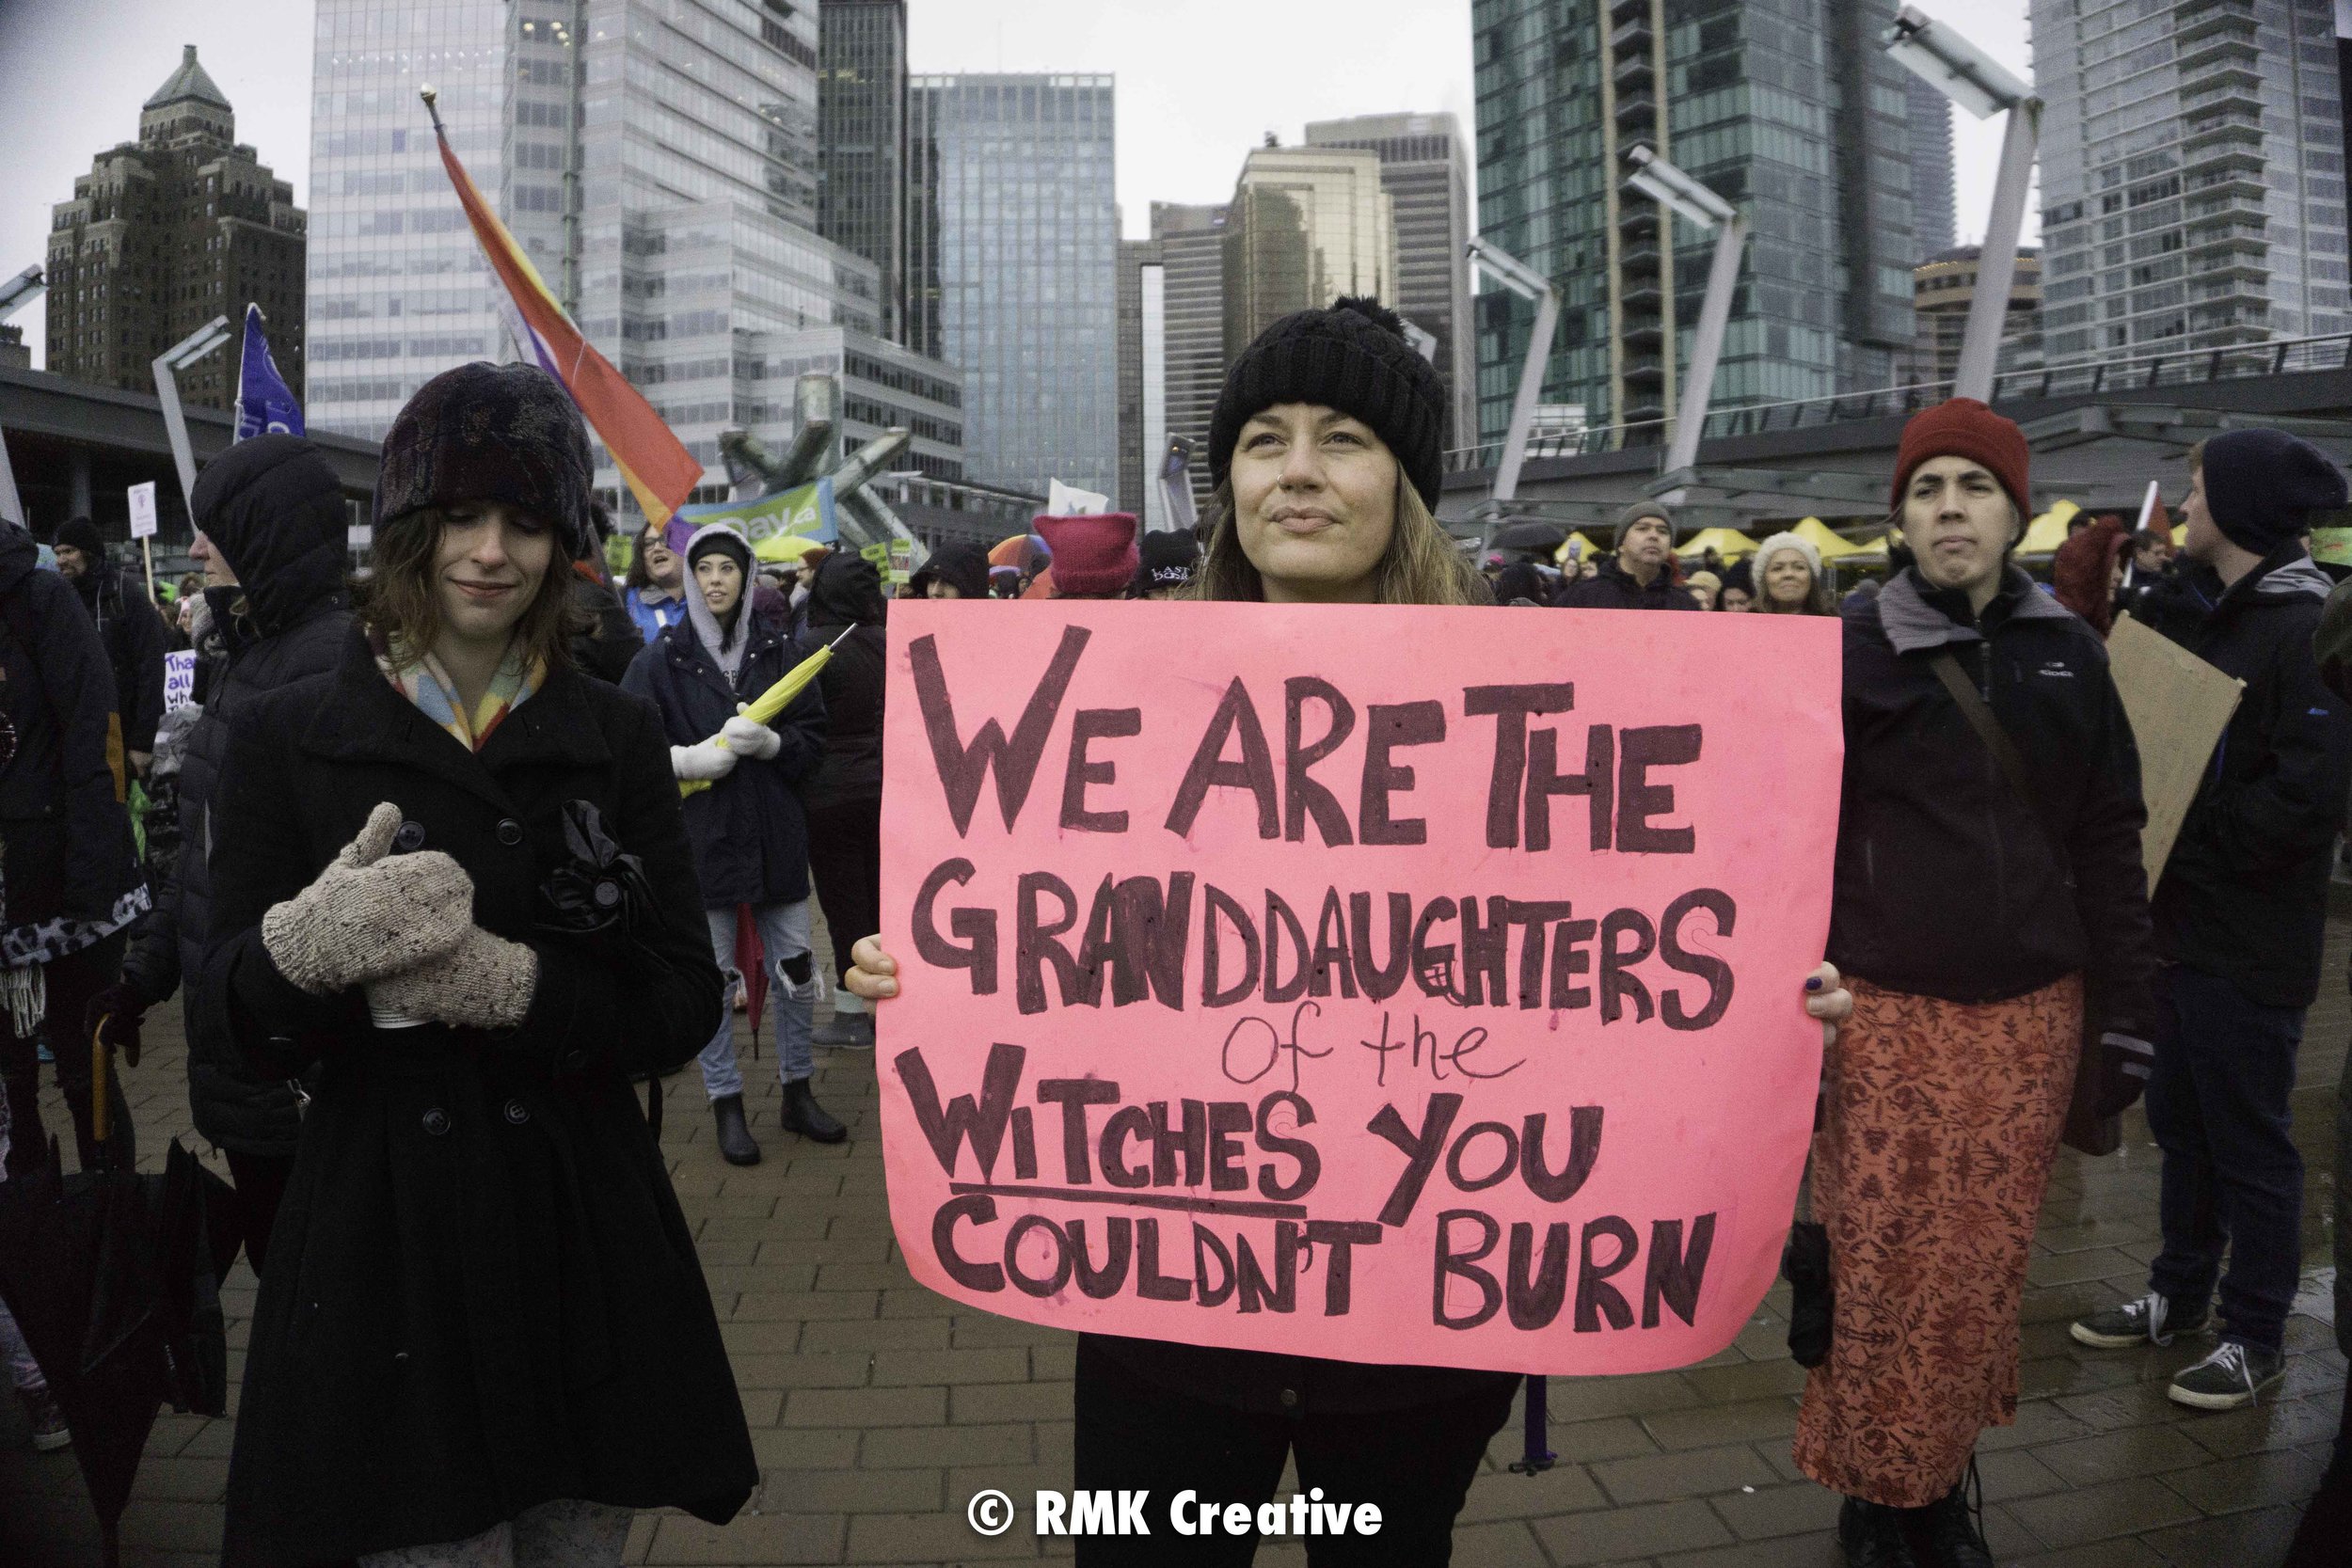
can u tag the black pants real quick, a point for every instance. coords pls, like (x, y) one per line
(1417, 1464)
(2217, 1103)
(71, 981)
(844, 858)
(261, 1186)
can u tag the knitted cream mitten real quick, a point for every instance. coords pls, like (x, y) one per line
(368, 916)
(484, 982)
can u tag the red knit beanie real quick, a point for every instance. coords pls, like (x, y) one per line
(1093, 557)
(1962, 427)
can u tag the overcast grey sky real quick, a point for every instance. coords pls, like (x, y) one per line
(1200, 83)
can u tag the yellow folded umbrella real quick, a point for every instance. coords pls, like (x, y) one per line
(766, 708)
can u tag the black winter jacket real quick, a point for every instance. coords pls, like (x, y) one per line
(1615, 588)
(2245, 895)
(63, 826)
(275, 513)
(611, 640)
(749, 833)
(482, 1294)
(847, 593)
(1947, 885)
(135, 641)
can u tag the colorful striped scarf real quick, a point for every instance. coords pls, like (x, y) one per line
(423, 681)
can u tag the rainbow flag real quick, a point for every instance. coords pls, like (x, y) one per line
(654, 463)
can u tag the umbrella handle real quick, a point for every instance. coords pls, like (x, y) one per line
(100, 1102)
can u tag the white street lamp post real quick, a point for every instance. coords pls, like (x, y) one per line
(177, 357)
(1983, 86)
(1527, 283)
(1681, 195)
(15, 293)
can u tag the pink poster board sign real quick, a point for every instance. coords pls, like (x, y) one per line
(1399, 985)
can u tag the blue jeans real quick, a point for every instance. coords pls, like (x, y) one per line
(783, 934)
(2217, 1103)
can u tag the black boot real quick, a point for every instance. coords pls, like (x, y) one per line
(802, 1115)
(1872, 1535)
(1946, 1530)
(737, 1145)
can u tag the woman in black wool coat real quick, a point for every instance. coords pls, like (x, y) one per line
(483, 1335)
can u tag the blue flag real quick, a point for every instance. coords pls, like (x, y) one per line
(264, 406)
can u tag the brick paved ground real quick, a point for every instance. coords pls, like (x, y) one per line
(877, 1410)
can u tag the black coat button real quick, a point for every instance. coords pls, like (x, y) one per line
(516, 1113)
(410, 838)
(437, 1121)
(510, 831)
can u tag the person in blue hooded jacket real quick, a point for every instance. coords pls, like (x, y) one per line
(749, 833)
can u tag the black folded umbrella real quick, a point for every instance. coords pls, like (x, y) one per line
(115, 1279)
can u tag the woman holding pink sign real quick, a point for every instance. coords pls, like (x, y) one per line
(1324, 448)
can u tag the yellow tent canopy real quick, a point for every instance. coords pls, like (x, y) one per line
(1870, 552)
(1824, 538)
(2180, 536)
(1575, 543)
(1728, 543)
(2045, 533)
(785, 546)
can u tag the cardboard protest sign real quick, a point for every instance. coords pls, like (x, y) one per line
(179, 680)
(2177, 705)
(1411, 985)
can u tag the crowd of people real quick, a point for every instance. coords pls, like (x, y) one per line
(464, 848)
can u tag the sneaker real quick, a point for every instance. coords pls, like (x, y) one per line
(49, 1428)
(2151, 1320)
(846, 1032)
(2230, 1378)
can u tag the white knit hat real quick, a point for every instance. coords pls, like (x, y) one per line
(1773, 547)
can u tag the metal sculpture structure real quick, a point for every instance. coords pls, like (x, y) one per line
(864, 518)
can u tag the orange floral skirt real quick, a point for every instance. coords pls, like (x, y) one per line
(1939, 1123)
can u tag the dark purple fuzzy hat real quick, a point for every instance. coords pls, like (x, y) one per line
(484, 432)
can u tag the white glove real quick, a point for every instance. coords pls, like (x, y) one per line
(701, 762)
(749, 737)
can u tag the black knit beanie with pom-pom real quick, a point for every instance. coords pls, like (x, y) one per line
(1354, 358)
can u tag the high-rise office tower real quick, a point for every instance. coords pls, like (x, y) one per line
(2192, 173)
(1142, 371)
(1192, 268)
(1307, 224)
(167, 233)
(663, 178)
(1945, 287)
(1791, 111)
(862, 140)
(1014, 269)
(1934, 212)
(1424, 168)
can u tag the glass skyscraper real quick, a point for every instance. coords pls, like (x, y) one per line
(1307, 224)
(862, 118)
(2192, 173)
(1014, 269)
(1790, 110)
(658, 158)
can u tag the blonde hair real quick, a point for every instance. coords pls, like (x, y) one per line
(1422, 566)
